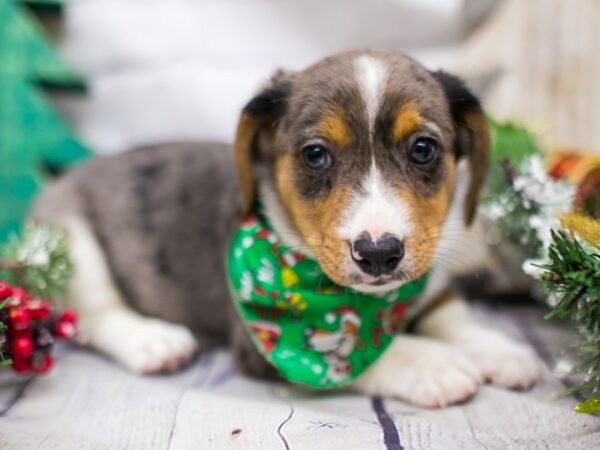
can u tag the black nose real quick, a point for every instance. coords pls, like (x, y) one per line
(377, 258)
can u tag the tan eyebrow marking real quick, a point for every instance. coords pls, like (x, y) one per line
(333, 128)
(407, 120)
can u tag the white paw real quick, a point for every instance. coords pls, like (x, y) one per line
(424, 373)
(144, 345)
(158, 346)
(439, 378)
(501, 360)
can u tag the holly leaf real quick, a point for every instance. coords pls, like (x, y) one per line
(590, 406)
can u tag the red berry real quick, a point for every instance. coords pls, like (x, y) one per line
(21, 365)
(19, 332)
(21, 347)
(68, 315)
(44, 366)
(39, 308)
(5, 290)
(20, 294)
(64, 330)
(19, 318)
(15, 302)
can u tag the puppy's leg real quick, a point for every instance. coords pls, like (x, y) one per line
(502, 361)
(142, 344)
(423, 372)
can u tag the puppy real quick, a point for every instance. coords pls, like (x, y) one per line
(366, 162)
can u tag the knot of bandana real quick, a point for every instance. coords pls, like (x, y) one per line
(313, 331)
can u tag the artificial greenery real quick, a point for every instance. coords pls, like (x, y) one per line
(38, 260)
(515, 212)
(589, 406)
(501, 201)
(528, 207)
(35, 143)
(511, 144)
(572, 279)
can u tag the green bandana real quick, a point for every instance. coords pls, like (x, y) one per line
(312, 330)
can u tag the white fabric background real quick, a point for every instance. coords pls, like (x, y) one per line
(171, 70)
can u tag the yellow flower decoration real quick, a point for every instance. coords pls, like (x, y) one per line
(587, 228)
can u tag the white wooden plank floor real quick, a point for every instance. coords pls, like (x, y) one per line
(87, 402)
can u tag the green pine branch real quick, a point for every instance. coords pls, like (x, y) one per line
(572, 275)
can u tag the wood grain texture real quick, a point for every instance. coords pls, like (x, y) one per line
(544, 65)
(89, 403)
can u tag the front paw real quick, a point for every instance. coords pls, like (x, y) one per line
(428, 374)
(501, 360)
(143, 345)
(157, 346)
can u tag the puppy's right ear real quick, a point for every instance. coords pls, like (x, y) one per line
(262, 112)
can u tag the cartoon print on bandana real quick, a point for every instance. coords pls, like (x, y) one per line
(335, 346)
(311, 330)
(394, 317)
(267, 333)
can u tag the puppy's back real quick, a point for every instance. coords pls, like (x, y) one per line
(162, 216)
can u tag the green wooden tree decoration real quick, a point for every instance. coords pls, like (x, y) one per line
(34, 142)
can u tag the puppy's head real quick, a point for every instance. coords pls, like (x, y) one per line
(362, 150)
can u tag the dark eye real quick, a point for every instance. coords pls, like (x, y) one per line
(316, 157)
(424, 151)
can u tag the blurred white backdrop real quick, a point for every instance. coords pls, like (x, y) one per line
(172, 70)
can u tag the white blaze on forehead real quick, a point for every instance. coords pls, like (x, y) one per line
(377, 210)
(370, 74)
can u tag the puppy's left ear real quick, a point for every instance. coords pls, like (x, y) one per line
(262, 112)
(472, 135)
